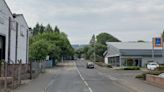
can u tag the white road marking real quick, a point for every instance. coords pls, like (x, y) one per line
(82, 78)
(49, 84)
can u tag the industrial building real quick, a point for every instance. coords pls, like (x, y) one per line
(13, 35)
(132, 54)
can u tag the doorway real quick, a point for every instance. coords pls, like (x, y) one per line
(2, 47)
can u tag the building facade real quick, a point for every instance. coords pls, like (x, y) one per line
(132, 54)
(13, 35)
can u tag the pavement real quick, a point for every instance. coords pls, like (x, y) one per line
(72, 76)
(127, 78)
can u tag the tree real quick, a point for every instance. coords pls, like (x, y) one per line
(38, 50)
(36, 29)
(102, 38)
(140, 41)
(51, 43)
(48, 28)
(93, 40)
(100, 46)
(57, 29)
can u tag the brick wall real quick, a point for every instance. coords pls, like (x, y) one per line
(155, 80)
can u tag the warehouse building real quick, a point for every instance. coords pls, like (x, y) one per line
(132, 54)
(13, 35)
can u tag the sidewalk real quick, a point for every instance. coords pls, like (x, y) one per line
(39, 84)
(127, 78)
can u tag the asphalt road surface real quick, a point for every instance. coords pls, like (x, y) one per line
(74, 77)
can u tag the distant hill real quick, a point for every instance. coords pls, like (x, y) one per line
(77, 46)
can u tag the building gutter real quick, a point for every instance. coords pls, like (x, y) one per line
(9, 40)
(16, 47)
(27, 46)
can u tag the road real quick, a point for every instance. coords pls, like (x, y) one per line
(74, 77)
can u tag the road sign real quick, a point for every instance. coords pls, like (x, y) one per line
(158, 42)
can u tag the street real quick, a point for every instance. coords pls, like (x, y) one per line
(74, 77)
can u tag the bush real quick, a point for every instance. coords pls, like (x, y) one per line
(103, 65)
(161, 68)
(143, 76)
(132, 68)
(100, 64)
(109, 66)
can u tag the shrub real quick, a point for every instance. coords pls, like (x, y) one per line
(100, 64)
(109, 66)
(132, 68)
(161, 68)
(143, 76)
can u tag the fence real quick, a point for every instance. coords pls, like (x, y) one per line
(11, 75)
(38, 67)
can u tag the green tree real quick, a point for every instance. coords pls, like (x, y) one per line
(140, 41)
(51, 43)
(36, 29)
(100, 46)
(102, 38)
(48, 28)
(38, 50)
(93, 40)
(57, 29)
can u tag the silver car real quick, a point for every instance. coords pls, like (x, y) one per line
(90, 65)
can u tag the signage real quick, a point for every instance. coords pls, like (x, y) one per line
(158, 42)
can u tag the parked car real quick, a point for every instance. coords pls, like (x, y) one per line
(90, 65)
(161, 75)
(152, 65)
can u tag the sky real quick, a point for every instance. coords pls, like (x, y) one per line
(128, 20)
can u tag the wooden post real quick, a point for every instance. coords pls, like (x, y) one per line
(30, 70)
(5, 82)
(19, 72)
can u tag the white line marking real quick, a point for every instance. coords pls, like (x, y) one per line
(82, 78)
(49, 84)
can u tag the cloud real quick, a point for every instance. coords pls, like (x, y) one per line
(82, 18)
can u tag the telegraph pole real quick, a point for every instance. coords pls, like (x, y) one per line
(95, 50)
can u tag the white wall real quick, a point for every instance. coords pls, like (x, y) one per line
(13, 45)
(5, 13)
(4, 22)
(106, 60)
(22, 38)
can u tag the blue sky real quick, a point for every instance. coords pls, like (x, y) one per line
(128, 20)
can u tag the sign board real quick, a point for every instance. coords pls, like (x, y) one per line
(158, 42)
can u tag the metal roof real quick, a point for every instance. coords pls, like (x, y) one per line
(132, 45)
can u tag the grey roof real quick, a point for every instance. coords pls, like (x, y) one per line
(132, 45)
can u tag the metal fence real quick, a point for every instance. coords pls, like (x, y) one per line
(38, 67)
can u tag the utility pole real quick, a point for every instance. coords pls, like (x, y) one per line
(95, 51)
(93, 44)
(153, 48)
